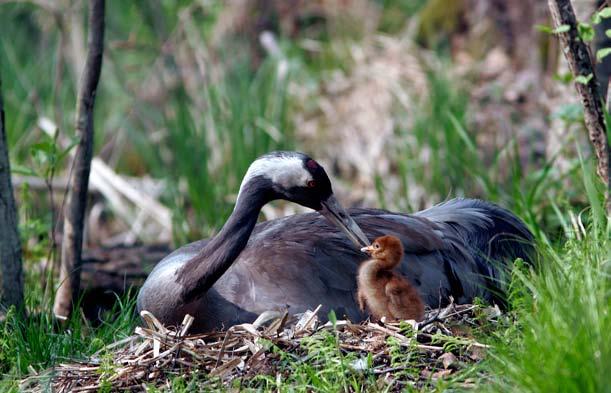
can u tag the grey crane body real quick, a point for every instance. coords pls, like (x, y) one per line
(459, 248)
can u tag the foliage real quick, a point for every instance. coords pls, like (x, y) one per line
(563, 310)
(246, 116)
(37, 341)
(554, 338)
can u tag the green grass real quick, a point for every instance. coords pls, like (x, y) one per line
(246, 116)
(222, 121)
(556, 337)
(563, 312)
(37, 341)
(323, 367)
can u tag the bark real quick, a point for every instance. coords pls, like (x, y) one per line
(74, 216)
(580, 64)
(11, 277)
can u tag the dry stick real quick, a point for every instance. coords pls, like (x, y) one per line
(580, 64)
(77, 196)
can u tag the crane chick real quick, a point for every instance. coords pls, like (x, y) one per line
(382, 291)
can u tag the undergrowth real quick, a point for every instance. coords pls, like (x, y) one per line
(34, 342)
(556, 342)
(556, 338)
(560, 342)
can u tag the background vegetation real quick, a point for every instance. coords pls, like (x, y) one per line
(406, 103)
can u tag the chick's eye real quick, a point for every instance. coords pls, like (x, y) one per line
(376, 246)
(311, 183)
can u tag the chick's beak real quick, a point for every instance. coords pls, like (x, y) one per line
(368, 249)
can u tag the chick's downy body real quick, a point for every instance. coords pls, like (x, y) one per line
(384, 292)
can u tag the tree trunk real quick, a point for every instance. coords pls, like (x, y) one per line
(580, 64)
(74, 217)
(11, 278)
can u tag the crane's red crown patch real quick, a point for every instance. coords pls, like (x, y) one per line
(312, 164)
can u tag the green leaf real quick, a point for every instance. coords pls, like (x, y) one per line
(23, 170)
(608, 33)
(46, 147)
(564, 78)
(602, 53)
(67, 150)
(561, 29)
(583, 79)
(586, 31)
(596, 19)
(590, 183)
(605, 12)
(332, 318)
(544, 29)
(462, 133)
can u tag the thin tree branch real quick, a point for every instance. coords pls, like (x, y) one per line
(11, 276)
(580, 64)
(77, 195)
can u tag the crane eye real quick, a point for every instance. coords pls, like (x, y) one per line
(311, 183)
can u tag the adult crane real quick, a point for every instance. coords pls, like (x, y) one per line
(459, 248)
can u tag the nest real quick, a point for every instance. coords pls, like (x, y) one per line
(154, 355)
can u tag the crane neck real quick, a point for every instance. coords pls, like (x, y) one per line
(201, 272)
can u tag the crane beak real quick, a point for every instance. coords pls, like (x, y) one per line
(335, 213)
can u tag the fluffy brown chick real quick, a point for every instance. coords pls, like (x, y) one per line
(382, 291)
